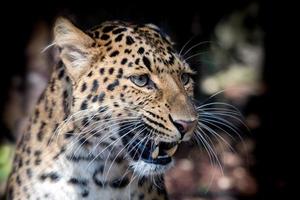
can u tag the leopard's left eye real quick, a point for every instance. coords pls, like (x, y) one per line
(140, 80)
(185, 78)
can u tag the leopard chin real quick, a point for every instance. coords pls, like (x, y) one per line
(143, 168)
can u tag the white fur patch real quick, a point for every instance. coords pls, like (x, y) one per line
(141, 168)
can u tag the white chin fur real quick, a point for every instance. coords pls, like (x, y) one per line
(141, 168)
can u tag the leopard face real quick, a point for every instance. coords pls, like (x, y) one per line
(129, 86)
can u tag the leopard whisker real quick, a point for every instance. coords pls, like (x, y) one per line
(215, 124)
(112, 126)
(196, 45)
(60, 126)
(133, 177)
(125, 146)
(220, 110)
(114, 142)
(219, 104)
(226, 115)
(199, 133)
(217, 136)
(133, 148)
(196, 54)
(48, 47)
(148, 138)
(83, 133)
(131, 140)
(209, 98)
(106, 121)
(136, 150)
(107, 136)
(103, 113)
(224, 122)
(201, 143)
(183, 47)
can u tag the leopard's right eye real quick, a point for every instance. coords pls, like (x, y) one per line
(140, 80)
(185, 78)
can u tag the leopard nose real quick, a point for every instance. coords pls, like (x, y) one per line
(184, 126)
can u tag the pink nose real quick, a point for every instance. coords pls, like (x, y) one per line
(184, 126)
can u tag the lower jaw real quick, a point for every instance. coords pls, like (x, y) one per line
(147, 166)
(158, 161)
(146, 169)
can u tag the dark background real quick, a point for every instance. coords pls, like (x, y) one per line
(274, 151)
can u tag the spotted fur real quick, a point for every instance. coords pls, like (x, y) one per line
(92, 102)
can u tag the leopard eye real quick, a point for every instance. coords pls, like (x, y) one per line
(140, 80)
(185, 78)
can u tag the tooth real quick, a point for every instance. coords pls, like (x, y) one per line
(155, 152)
(171, 151)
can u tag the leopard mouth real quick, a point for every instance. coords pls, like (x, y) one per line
(148, 150)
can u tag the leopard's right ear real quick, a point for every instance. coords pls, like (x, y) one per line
(75, 47)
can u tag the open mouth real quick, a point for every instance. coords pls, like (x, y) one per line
(148, 150)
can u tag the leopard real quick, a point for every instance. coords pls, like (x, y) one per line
(118, 104)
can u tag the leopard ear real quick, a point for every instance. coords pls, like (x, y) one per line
(75, 47)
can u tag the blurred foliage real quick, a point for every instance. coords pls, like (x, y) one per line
(6, 153)
(234, 62)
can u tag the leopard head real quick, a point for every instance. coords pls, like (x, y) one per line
(130, 87)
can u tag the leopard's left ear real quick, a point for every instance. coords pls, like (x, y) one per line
(75, 47)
